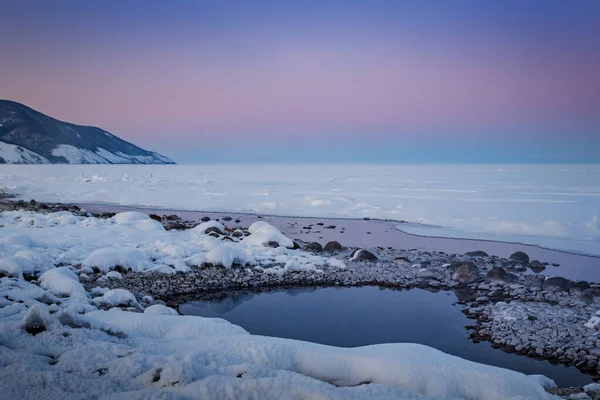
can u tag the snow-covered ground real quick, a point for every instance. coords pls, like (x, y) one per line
(555, 206)
(58, 341)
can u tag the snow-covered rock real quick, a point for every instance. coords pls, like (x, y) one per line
(63, 282)
(159, 309)
(108, 258)
(261, 233)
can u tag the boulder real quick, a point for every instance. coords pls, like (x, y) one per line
(466, 273)
(477, 253)
(155, 217)
(536, 266)
(333, 247)
(590, 296)
(314, 247)
(535, 280)
(557, 284)
(363, 255)
(213, 229)
(578, 287)
(519, 257)
(432, 273)
(496, 274)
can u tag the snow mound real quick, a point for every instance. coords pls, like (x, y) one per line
(159, 309)
(16, 266)
(129, 216)
(62, 281)
(108, 258)
(117, 297)
(262, 233)
(221, 256)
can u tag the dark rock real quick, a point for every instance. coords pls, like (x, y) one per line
(155, 217)
(170, 225)
(330, 227)
(205, 219)
(333, 247)
(173, 217)
(227, 218)
(535, 280)
(466, 273)
(557, 284)
(536, 266)
(578, 287)
(590, 296)
(509, 348)
(237, 221)
(477, 253)
(272, 244)
(363, 255)
(496, 274)
(314, 247)
(464, 294)
(237, 234)
(519, 257)
(33, 202)
(213, 229)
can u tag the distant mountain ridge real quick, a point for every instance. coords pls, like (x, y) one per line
(30, 137)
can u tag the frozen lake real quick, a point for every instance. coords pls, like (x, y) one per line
(554, 206)
(351, 317)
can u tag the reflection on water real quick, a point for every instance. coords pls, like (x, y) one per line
(350, 317)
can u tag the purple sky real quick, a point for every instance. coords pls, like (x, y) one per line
(273, 80)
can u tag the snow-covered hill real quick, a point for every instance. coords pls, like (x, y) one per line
(30, 137)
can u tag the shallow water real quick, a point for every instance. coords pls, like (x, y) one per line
(350, 317)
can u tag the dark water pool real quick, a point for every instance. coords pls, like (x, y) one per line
(350, 317)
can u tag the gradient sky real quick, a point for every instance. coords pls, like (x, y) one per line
(316, 81)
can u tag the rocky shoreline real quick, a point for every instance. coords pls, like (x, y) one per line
(514, 305)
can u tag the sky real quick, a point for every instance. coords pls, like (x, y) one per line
(316, 81)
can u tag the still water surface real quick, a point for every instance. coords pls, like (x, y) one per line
(349, 317)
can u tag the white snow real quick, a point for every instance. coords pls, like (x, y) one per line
(91, 348)
(159, 309)
(117, 297)
(62, 281)
(13, 154)
(74, 155)
(107, 258)
(556, 206)
(112, 157)
(262, 233)
(209, 224)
